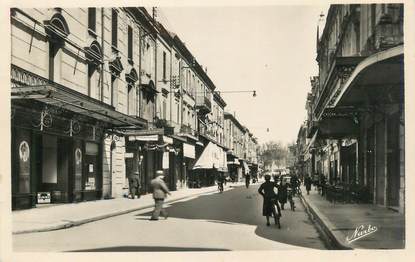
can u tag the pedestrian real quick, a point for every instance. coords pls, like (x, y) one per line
(134, 184)
(266, 189)
(307, 183)
(323, 184)
(282, 193)
(276, 183)
(220, 181)
(247, 179)
(160, 192)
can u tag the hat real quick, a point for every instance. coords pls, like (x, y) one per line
(159, 173)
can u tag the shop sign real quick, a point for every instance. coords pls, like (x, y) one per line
(91, 168)
(43, 197)
(168, 140)
(189, 151)
(128, 155)
(166, 160)
(24, 151)
(78, 156)
(90, 184)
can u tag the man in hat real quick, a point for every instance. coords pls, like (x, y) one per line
(160, 192)
(134, 184)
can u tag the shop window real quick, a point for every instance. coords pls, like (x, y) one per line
(92, 19)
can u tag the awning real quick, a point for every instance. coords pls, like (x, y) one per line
(208, 159)
(26, 85)
(223, 167)
(311, 143)
(375, 75)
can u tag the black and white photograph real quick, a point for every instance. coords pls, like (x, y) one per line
(148, 128)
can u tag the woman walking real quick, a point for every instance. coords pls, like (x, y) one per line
(282, 193)
(268, 209)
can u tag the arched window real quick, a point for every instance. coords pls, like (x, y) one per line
(132, 101)
(93, 54)
(57, 30)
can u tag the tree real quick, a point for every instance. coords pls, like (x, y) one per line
(274, 152)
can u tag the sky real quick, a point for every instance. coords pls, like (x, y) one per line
(270, 49)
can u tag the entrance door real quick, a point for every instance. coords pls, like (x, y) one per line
(91, 180)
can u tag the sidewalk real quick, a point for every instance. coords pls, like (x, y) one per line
(73, 214)
(339, 221)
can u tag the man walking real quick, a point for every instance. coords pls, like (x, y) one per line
(160, 192)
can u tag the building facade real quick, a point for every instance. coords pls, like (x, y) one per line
(99, 94)
(356, 105)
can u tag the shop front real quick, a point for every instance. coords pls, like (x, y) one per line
(57, 142)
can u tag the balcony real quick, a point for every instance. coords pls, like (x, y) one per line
(204, 131)
(187, 130)
(203, 104)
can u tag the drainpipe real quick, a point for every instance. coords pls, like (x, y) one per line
(102, 48)
(171, 83)
(155, 75)
(140, 46)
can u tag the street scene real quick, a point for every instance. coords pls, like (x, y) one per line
(218, 227)
(208, 129)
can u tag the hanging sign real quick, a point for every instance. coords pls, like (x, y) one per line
(189, 151)
(166, 160)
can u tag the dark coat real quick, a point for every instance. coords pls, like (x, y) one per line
(307, 183)
(282, 193)
(266, 189)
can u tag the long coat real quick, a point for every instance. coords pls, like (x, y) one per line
(267, 191)
(282, 193)
(160, 189)
(307, 183)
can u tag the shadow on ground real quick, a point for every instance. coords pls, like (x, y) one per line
(244, 206)
(147, 249)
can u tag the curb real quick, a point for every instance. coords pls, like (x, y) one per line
(69, 224)
(324, 225)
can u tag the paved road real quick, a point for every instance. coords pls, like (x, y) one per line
(211, 222)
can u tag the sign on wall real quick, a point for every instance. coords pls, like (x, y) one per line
(43, 197)
(189, 151)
